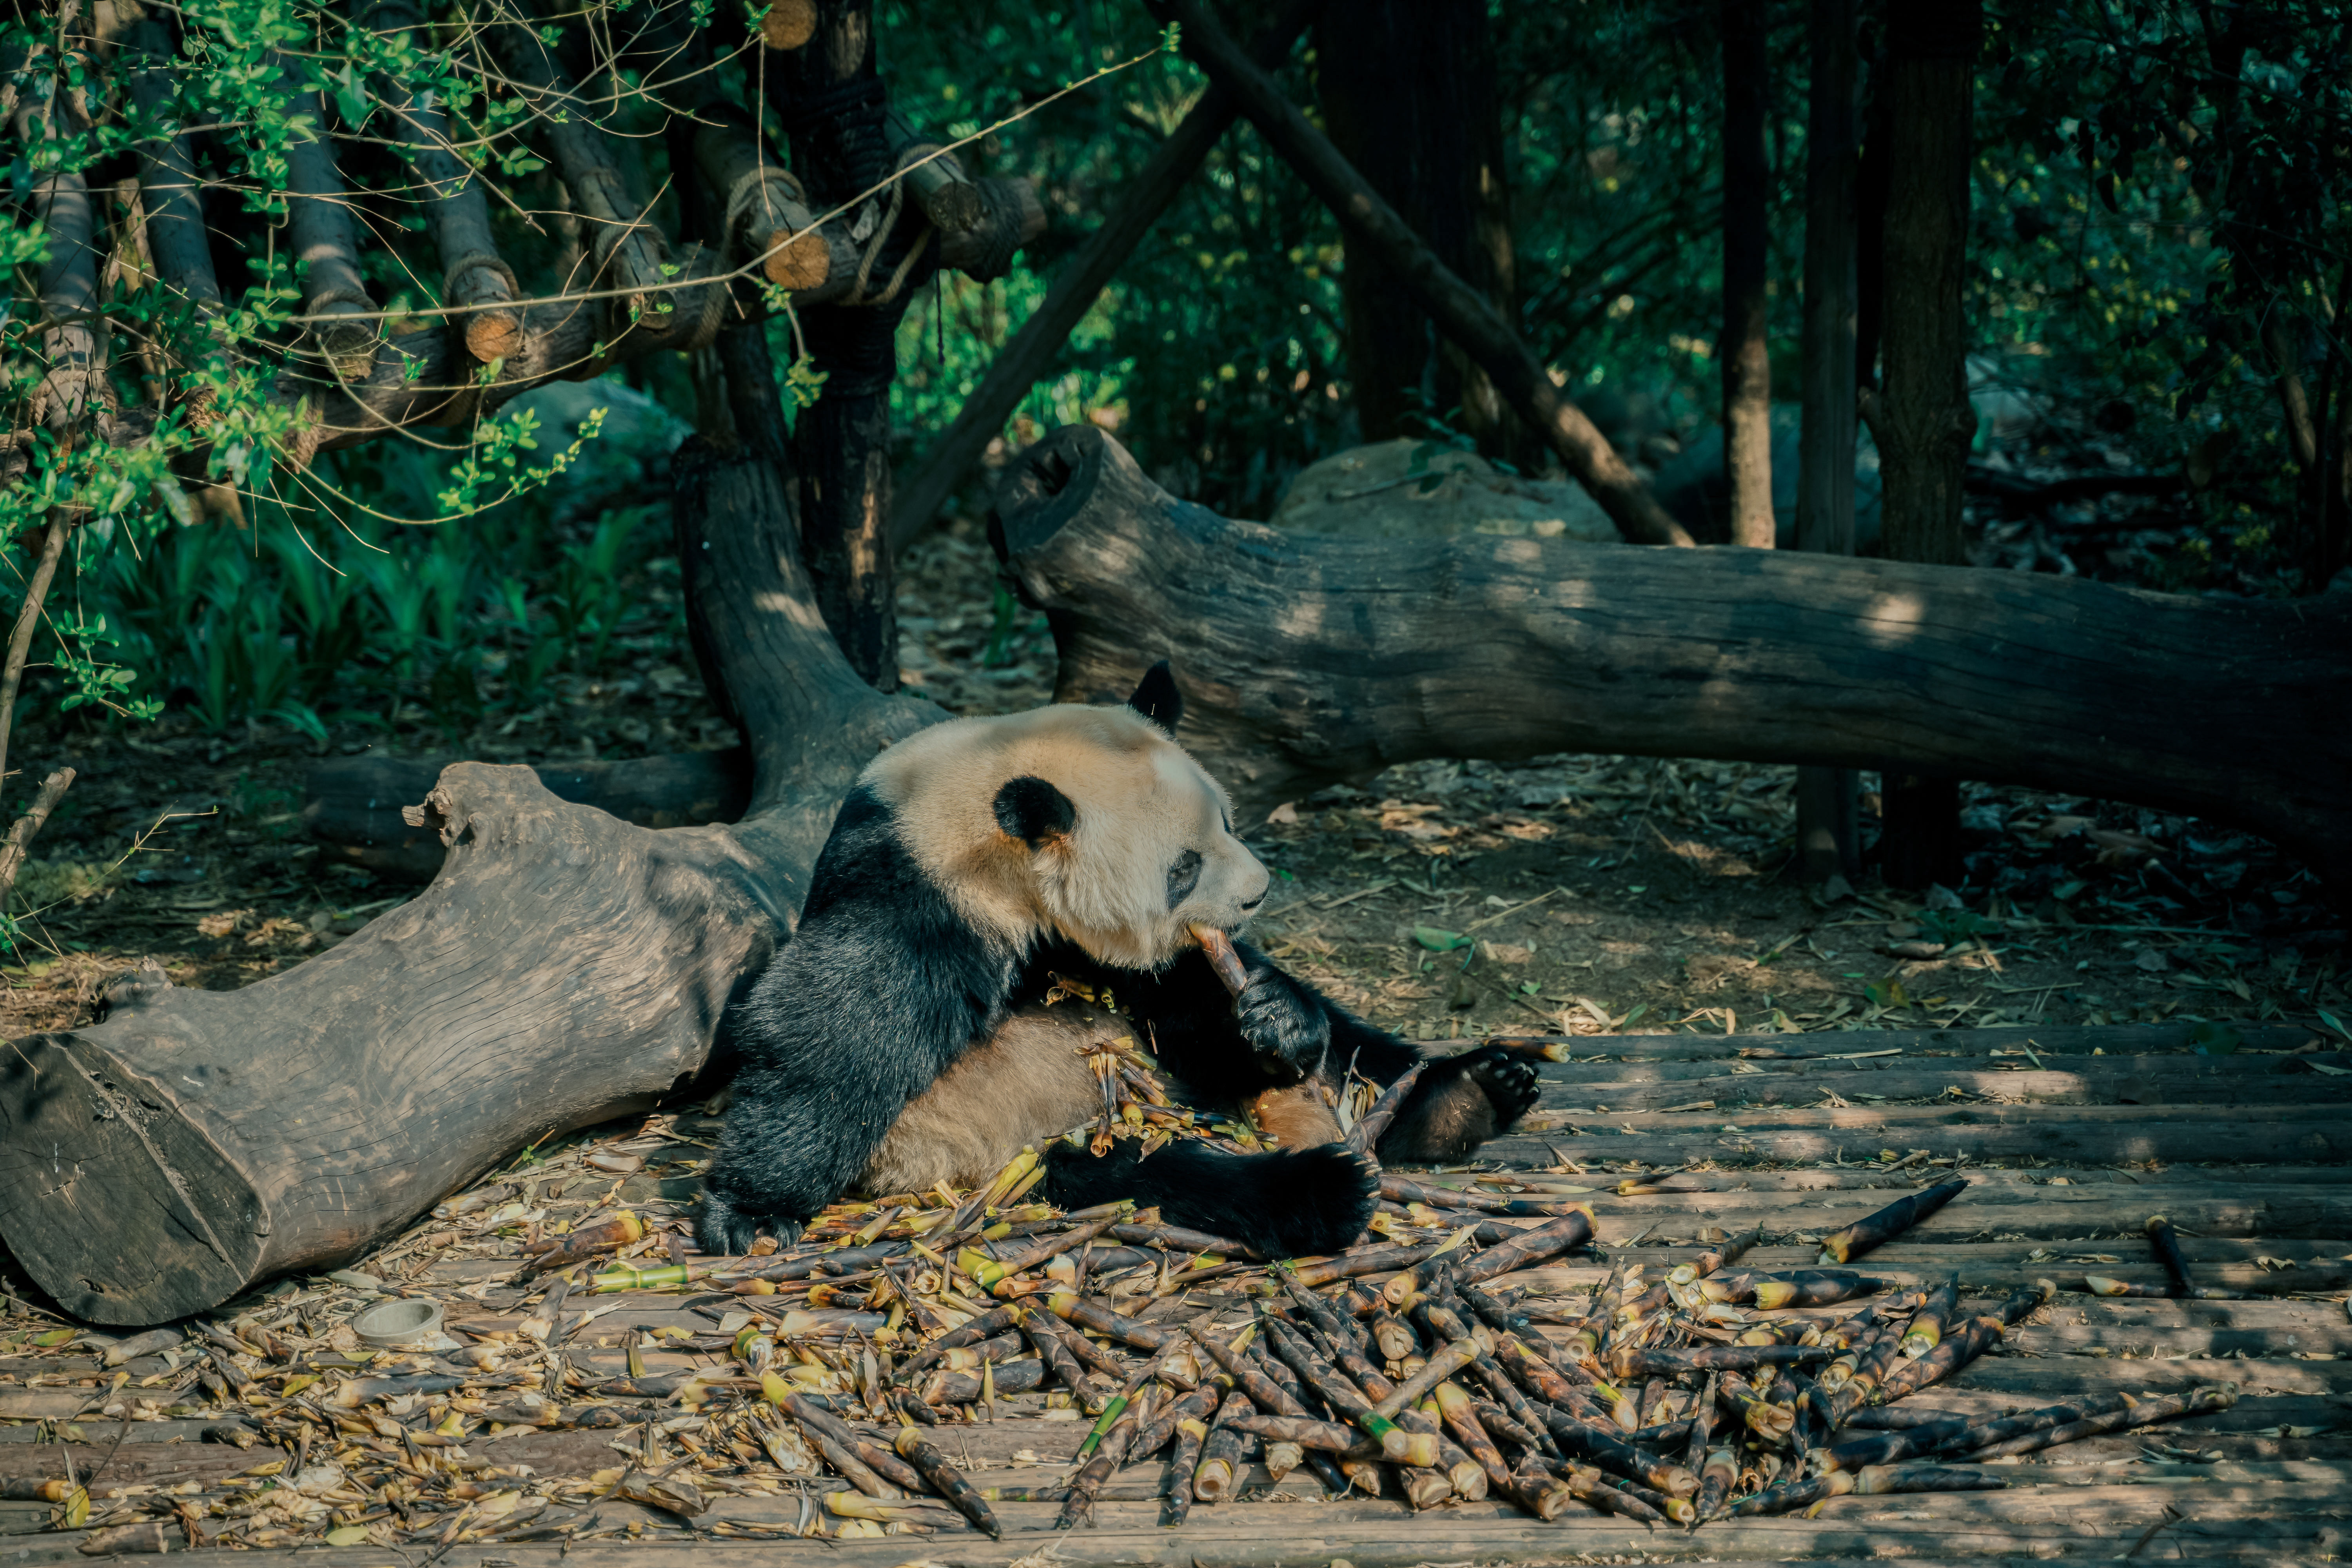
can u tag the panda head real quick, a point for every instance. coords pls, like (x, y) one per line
(1090, 823)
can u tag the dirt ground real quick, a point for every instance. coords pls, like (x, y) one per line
(1443, 899)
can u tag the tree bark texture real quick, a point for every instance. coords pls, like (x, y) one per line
(1745, 348)
(1409, 97)
(1925, 425)
(1309, 661)
(1826, 826)
(564, 968)
(1459, 310)
(834, 102)
(1025, 356)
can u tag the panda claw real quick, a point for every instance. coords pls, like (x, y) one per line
(725, 1231)
(1512, 1084)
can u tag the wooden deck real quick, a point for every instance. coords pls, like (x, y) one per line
(2069, 1153)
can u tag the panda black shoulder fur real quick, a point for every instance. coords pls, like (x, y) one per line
(897, 1039)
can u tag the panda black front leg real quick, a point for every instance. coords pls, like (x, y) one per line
(1282, 1017)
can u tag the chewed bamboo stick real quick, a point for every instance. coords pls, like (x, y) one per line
(1876, 1230)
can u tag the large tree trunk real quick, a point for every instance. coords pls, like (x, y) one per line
(1923, 425)
(1746, 348)
(1409, 94)
(1826, 823)
(565, 967)
(1309, 661)
(832, 101)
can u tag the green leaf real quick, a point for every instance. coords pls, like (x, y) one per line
(1437, 941)
(2216, 1040)
(2336, 1023)
(54, 1337)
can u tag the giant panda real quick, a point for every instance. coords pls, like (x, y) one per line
(901, 1037)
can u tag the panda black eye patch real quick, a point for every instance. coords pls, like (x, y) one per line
(1183, 876)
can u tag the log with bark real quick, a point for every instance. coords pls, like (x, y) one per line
(564, 968)
(1309, 661)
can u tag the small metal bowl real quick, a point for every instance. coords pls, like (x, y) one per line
(389, 1325)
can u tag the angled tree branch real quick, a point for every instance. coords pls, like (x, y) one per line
(1024, 356)
(1459, 310)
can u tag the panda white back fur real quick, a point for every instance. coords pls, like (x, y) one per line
(975, 862)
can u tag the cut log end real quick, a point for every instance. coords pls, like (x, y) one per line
(795, 263)
(788, 24)
(494, 335)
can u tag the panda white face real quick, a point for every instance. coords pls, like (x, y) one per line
(1141, 866)
(1088, 823)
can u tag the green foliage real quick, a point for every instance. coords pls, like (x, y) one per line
(331, 612)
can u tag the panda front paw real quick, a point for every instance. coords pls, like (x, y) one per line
(1283, 1020)
(722, 1230)
(1510, 1081)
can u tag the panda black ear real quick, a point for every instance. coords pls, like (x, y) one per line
(1032, 810)
(1158, 700)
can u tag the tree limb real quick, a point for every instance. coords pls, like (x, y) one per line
(1024, 356)
(28, 620)
(1459, 310)
(317, 211)
(473, 276)
(20, 836)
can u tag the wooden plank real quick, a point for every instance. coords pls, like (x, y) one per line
(2075, 1339)
(1995, 1266)
(2096, 1133)
(2056, 1039)
(1280, 1535)
(2046, 1378)
(2317, 1212)
(1606, 1089)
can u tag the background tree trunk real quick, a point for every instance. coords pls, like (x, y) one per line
(1746, 348)
(1307, 661)
(1409, 98)
(1825, 798)
(1925, 424)
(834, 102)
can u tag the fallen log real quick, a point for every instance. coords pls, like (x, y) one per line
(565, 967)
(356, 803)
(1309, 661)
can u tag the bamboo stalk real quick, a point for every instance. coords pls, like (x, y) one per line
(2166, 1244)
(992, 1276)
(1879, 1480)
(1365, 1136)
(946, 1479)
(1123, 1420)
(1397, 1445)
(1617, 1457)
(1716, 1479)
(1323, 1437)
(19, 841)
(1926, 1330)
(1196, 1406)
(1450, 1358)
(1182, 1463)
(1877, 1229)
(1221, 1453)
(2143, 1413)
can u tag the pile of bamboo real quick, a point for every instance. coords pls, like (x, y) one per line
(1432, 1369)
